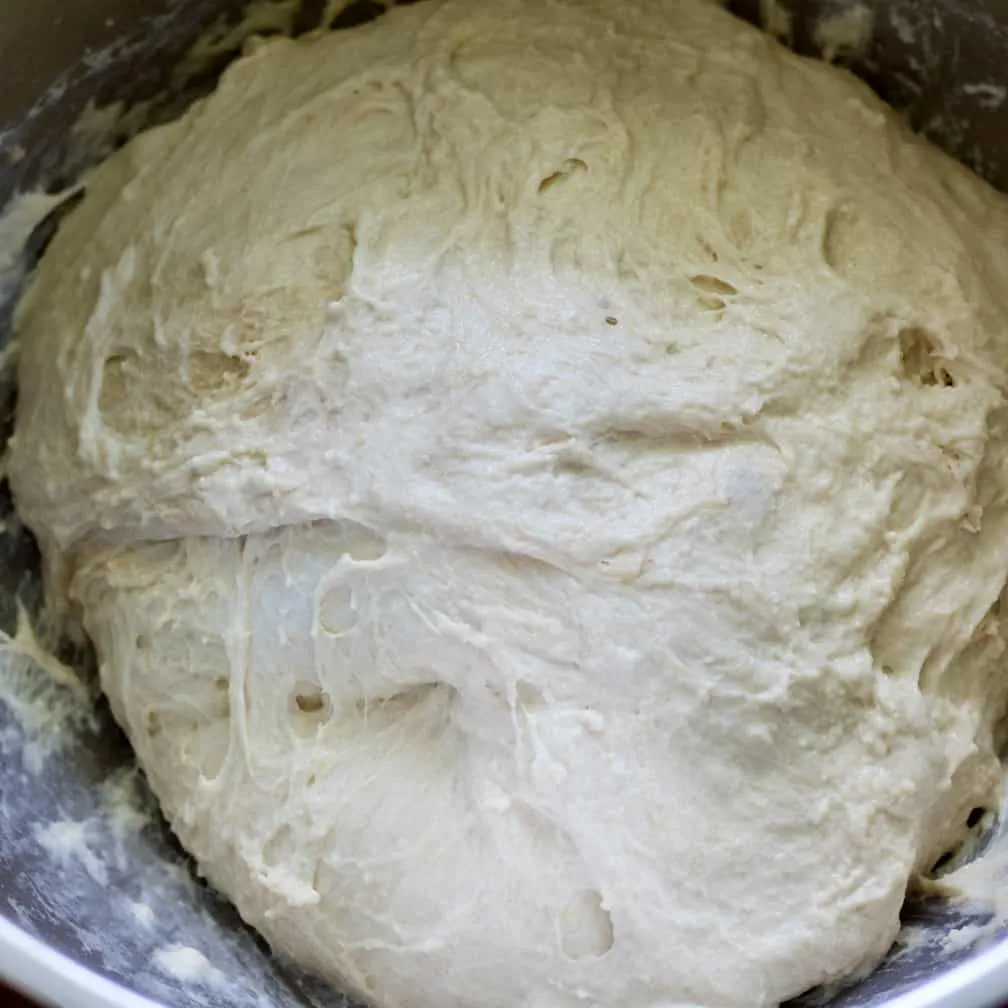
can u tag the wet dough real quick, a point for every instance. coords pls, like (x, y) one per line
(535, 476)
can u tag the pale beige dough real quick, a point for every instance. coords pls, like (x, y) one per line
(535, 475)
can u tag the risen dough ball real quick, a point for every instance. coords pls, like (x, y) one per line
(535, 475)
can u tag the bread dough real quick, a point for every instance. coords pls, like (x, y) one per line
(535, 475)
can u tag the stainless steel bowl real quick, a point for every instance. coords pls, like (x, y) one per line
(98, 904)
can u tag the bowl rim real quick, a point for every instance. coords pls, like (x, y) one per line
(41, 972)
(52, 977)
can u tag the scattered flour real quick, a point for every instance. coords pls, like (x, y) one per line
(67, 841)
(989, 95)
(845, 33)
(187, 964)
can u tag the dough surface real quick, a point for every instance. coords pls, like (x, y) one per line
(535, 476)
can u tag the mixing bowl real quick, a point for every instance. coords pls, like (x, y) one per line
(98, 904)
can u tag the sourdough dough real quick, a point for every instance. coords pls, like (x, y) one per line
(535, 475)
